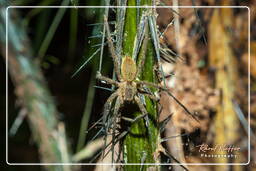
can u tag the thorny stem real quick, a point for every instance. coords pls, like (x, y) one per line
(142, 140)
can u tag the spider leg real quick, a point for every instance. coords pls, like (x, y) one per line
(114, 117)
(141, 42)
(107, 108)
(119, 137)
(150, 84)
(170, 94)
(135, 119)
(112, 50)
(143, 110)
(143, 54)
(150, 95)
(106, 79)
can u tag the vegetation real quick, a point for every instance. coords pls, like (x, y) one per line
(198, 58)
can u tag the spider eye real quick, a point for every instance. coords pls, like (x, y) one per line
(104, 82)
(128, 69)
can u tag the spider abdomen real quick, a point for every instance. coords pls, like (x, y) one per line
(128, 91)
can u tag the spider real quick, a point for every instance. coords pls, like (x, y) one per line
(129, 88)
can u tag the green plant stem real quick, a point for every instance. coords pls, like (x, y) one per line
(141, 143)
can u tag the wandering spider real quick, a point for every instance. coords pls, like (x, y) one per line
(129, 88)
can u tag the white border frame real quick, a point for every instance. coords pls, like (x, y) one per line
(156, 164)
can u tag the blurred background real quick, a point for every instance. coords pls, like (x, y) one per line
(210, 78)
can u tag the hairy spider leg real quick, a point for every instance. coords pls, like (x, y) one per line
(112, 50)
(151, 96)
(170, 94)
(143, 52)
(120, 136)
(153, 28)
(135, 119)
(106, 111)
(139, 37)
(106, 79)
(142, 109)
(107, 106)
(114, 117)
